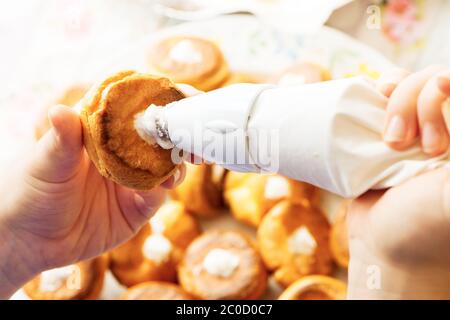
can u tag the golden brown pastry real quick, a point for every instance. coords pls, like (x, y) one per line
(154, 253)
(222, 265)
(250, 196)
(191, 60)
(155, 290)
(108, 114)
(339, 237)
(315, 288)
(201, 189)
(70, 97)
(303, 73)
(81, 281)
(294, 242)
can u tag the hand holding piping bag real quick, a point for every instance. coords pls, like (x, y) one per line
(400, 235)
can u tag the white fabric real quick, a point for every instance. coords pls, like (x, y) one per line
(327, 134)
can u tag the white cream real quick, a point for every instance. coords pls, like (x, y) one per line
(157, 248)
(54, 279)
(276, 187)
(157, 225)
(220, 262)
(185, 52)
(146, 125)
(301, 241)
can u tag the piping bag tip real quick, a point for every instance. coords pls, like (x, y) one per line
(151, 126)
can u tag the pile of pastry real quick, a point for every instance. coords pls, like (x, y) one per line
(291, 241)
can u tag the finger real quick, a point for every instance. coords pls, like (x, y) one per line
(59, 152)
(188, 90)
(139, 206)
(387, 83)
(434, 134)
(444, 83)
(401, 125)
(176, 179)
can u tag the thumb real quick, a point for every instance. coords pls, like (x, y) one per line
(59, 152)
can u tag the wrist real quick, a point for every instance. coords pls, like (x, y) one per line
(15, 270)
(375, 277)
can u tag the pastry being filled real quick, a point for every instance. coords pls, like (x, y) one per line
(250, 196)
(155, 252)
(293, 240)
(191, 60)
(81, 281)
(223, 265)
(108, 113)
(155, 290)
(316, 287)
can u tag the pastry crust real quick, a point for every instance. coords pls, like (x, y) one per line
(303, 73)
(247, 281)
(155, 290)
(85, 283)
(108, 113)
(315, 288)
(294, 242)
(131, 266)
(69, 98)
(207, 72)
(250, 196)
(339, 237)
(201, 189)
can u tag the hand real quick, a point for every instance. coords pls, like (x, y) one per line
(56, 208)
(399, 238)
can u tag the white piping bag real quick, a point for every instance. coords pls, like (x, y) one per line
(327, 134)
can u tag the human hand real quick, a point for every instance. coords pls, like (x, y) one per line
(57, 209)
(399, 238)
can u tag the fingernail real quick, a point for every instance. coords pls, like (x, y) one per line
(387, 88)
(431, 138)
(176, 177)
(444, 84)
(396, 130)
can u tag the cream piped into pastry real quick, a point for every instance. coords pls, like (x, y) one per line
(301, 241)
(157, 248)
(220, 262)
(52, 280)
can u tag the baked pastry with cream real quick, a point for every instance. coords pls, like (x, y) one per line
(315, 287)
(191, 60)
(154, 253)
(303, 73)
(108, 113)
(294, 242)
(155, 290)
(250, 196)
(201, 189)
(81, 281)
(223, 265)
(69, 98)
(339, 236)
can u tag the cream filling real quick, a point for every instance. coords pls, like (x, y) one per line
(185, 52)
(157, 248)
(276, 187)
(220, 262)
(301, 241)
(54, 279)
(151, 127)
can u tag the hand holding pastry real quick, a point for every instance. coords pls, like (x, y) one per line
(59, 209)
